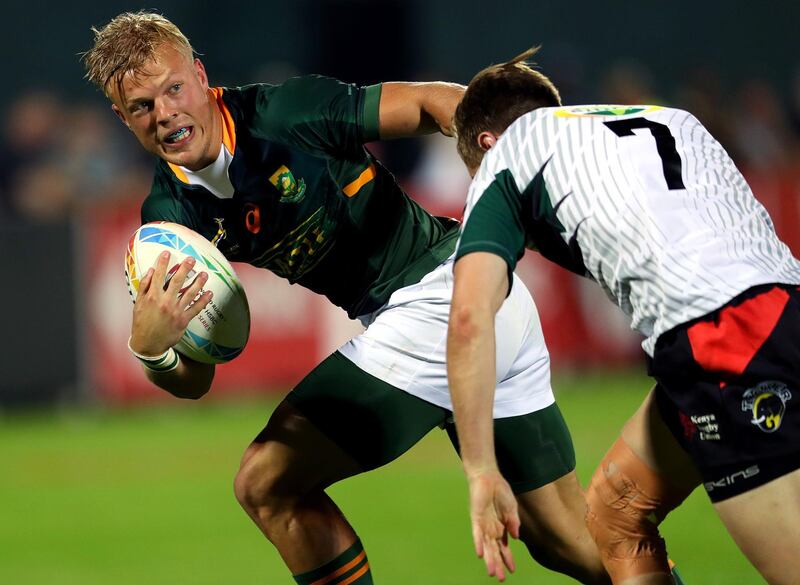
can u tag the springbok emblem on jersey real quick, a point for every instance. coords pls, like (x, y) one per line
(291, 190)
(767, 404)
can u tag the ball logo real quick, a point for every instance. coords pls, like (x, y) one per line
(186, 283)
(766, 404)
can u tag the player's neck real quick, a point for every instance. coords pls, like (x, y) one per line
(214, 152)
(217, 138)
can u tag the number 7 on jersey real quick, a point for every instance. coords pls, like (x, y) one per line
(665, 145)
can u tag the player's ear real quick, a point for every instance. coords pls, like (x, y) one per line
(120, 115)
(200, 70)
(486, 140)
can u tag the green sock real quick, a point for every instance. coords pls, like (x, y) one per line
(349, 568)
(676, 576)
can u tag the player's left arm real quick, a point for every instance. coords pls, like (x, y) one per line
(412, 109)
(481, 284)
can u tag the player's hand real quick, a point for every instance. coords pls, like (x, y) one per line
(493, 509)
(162, 313)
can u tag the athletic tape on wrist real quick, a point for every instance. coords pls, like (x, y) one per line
(166, 362)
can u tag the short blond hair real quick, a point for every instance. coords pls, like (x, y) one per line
(127, 44)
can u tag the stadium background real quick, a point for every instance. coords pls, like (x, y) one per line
(106, 480)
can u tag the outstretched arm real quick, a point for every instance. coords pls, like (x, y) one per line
(481, 284)
(159, 319)
(412, 109)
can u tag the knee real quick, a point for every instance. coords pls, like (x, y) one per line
(626, 501)
(619, 520)
(259, 485)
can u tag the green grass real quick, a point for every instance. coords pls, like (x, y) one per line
(145, 497)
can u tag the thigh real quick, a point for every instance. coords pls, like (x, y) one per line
(291, 457)
(764, 523)
(370, 420)
(651, 440)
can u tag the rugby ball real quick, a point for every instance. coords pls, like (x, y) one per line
(220, 331)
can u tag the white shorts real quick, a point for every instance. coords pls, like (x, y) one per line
(406, 341)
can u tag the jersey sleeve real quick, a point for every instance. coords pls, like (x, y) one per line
(320, 114)
(493, 220)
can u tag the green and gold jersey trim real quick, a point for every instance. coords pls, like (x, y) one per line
(228, 131)
(365, 177)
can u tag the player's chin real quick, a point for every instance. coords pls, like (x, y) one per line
(185, 157)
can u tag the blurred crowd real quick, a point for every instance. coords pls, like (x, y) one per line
(57, 158)
(758, 126)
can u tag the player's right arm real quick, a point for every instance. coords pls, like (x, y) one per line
(412, 109)
(335, 118)
(481, 283)
(492, 240)
(160, 316)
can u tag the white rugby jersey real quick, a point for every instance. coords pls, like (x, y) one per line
(640, 198)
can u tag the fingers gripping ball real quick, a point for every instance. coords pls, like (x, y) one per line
(220, 331)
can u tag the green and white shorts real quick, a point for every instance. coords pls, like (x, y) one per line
(385, 389)
(405, 345)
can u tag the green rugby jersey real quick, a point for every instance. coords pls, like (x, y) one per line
(309, 202)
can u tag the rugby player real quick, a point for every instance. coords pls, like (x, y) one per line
(278, 177)
(643, 200)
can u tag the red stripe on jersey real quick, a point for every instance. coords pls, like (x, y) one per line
(730, 342)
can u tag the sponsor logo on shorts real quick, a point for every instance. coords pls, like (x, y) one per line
(689, 428)
(707, 426)
(731, 479)
(702, 426)
(766, 404)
